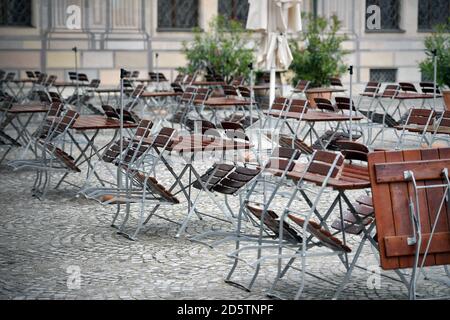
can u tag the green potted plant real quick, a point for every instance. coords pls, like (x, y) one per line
(222, 50)
(318, 54)
(439, 40)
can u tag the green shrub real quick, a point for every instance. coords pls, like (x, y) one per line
(223, 49)
(439, 40)
(322, 55)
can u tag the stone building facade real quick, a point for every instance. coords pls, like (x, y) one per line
(129, 33)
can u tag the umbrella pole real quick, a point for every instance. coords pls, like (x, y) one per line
(75, 50)
(272, 87)
(119, 172)
(434, 78)
(351, 102)
(156, 71)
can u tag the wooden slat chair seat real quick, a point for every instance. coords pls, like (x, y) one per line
(330, 137)
(287, 142)
(66, 159)
(227, 179)
(155, 187)
(352, 225)
(325, 237)
(272, 222)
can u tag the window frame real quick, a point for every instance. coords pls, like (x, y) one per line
(424, 30)
(399, 22)
(177, 29)
(233, 15)
(30, 23)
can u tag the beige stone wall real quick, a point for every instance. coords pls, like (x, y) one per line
(124, 34)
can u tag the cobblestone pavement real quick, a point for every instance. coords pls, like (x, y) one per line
(44, 243)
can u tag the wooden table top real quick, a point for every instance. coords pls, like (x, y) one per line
(352, 177)
(24, 81)
(322, 90)
(314, 116)
(414, 96)
(391, 196)
(112, 90)
(28, 108)
(96, 122)
(160, 94)
(70, 84)
(208, 83)
(420, 129)
(223, 102)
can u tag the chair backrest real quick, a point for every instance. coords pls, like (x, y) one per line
(41, 78)
(50, 80)
(95, 83)
(2, 74)
(343, 103)
(238, 81)
(283, 159)
(201, 95)
(421, 117)
(10, 76)
(30, 75)
(83, 77)
(372, 88)
(188, 94)
(443, 122)
(179, 79)
(135, 74)
(280, 103)
(322, 162)
(324, 104)
(336, 82)
(352, 150)
(298, 106)
(302, 85)
(391, 91)
(55, 97)
(230, 91)
(407, 87)
(177, 87)
(110, 112)
(429, 87)
(244, 92)
(72, 76)
(138, 91)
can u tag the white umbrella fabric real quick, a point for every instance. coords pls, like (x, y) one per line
(276, 18)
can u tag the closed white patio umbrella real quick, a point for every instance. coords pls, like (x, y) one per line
(276, 18)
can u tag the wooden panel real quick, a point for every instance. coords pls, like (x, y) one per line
(383, 211)
(398, 246)
(392, 216)
(394, 171)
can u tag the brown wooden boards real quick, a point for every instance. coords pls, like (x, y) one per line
(392, 192)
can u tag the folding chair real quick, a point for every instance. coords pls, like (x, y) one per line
(417, 123)
(385, 118)
(49, 155)
(309, 233)
(300, 88)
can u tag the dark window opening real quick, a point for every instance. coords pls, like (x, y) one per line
(15, 13)
(177, 14)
